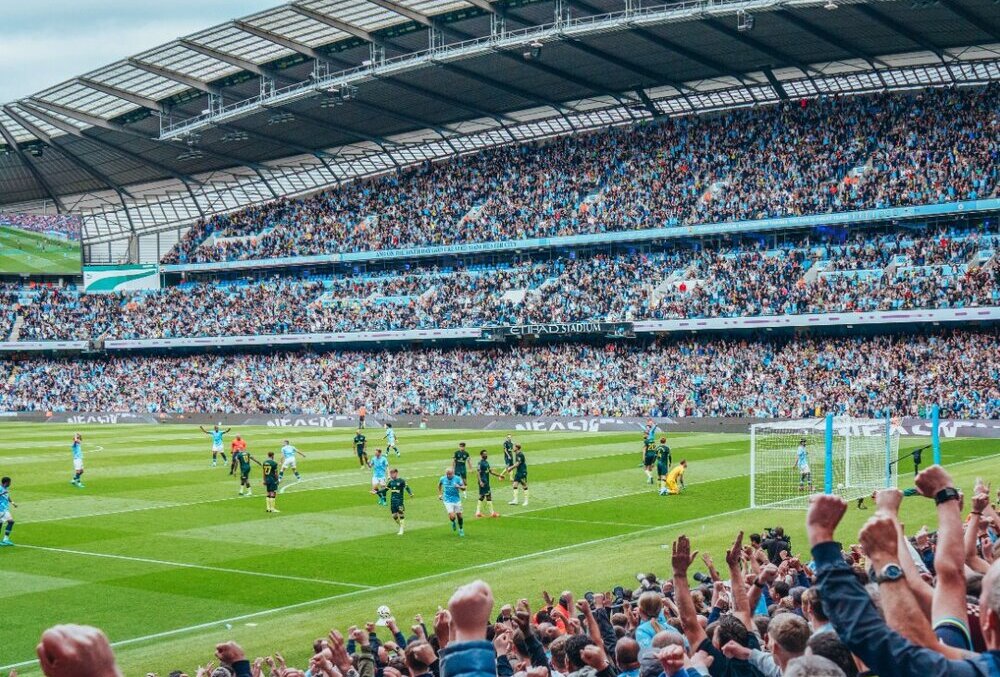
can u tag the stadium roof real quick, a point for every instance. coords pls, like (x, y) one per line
(317, 91)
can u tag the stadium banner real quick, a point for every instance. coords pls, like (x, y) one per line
(621, 329)
(109, 279)
(853, 218)
(611, 329)
(988, 313)
(295, 339)
(906, 426)
(42, 346)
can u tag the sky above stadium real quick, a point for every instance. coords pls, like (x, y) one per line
(48, 41)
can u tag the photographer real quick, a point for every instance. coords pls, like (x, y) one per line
(775, 543)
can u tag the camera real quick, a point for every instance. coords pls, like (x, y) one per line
(702, 578)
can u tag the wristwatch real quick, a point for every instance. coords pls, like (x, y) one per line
(889, 573)
(945, 495)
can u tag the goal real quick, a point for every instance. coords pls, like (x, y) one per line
(850, 457)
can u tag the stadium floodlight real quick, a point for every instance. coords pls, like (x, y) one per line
(744, 21)
(849, 457)
(830, 4)
(280, 118)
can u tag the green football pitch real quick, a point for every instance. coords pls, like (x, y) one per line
(160, 552)
(25, 252)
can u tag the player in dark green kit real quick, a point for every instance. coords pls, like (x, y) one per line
(270, 467)
(648, 459)
(462, 465)
(485, 494)
(360, 447)
(520, 475)
(395, 488)
(508, 456)
(662, 465)
(243, 459)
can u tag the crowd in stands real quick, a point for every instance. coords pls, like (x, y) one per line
(868, 271)
(66, 225)
(818, 156)
(888, 605)
(784, 378)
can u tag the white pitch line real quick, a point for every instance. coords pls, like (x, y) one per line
(187, 565)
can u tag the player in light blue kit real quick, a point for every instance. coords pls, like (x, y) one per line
(651, 430)
(216, 436)
(380, 474)
(288, 453)
(5, 516)
(390, 440)
(77, 461)
(802, 463)
(450, 488)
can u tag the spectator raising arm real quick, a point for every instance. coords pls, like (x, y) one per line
(950, 613)
(681, 559)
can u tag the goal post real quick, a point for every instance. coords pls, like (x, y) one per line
(849, 457)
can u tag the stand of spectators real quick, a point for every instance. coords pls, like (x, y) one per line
(781, 378)
(888, 605)
(809, 157)
(868, 272)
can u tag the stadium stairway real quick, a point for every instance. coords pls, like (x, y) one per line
(15, 332)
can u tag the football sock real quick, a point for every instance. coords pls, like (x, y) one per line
(461, 521)
(525, 497)
(479, 506)
(489, 507)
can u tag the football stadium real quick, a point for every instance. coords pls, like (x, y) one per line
(496, 338)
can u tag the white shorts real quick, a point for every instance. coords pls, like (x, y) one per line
(78, 464)
(5, 517)
(804, 470)
(289, 463)
(453, 508)
(378, 482)
(216, 448)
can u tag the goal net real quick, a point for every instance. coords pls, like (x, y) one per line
(850, 457)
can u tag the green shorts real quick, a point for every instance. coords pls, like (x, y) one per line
(484, 491)
(271, 486)
(521, 476)
(397, 508)
(648, 459)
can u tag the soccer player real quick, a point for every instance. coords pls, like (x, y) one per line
(5, 516)
(243, 458)
(675, 477)
(288, 453)
(390, 440)
(508, 456)
(662, 465)
(520, 475)
(216, 436)
(651, 431)
(485, 494)
(802, 463)
(380, 468)
(361, 446)
(270, 468)
(77, 460)
(450, 489)
(462, 465)
(238, 445)
(395, 488)
(648, 459)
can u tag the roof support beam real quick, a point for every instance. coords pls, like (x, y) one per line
(689, 54)
(186, 80)
(898, 28)
(410, 14)
(484, 5)
(114, 148)
(647, 103)
(232, 60)
(780, 56)
(137, 99)
(32, 169)
(625, 64)
(505, 87)
(971, 18)
(287, 43)
(330, 21)
(401, 82)
(776, 84)
(839, 41)
(82, 165)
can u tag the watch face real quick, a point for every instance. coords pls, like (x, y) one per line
(891, 573)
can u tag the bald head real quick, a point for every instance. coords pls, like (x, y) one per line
(627, 653)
